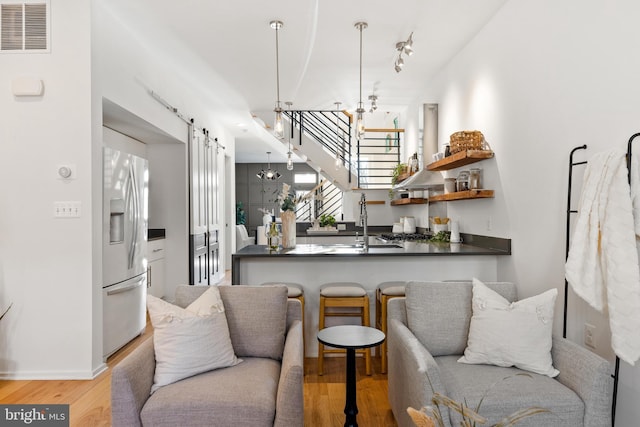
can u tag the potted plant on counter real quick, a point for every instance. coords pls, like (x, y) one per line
(327, 220)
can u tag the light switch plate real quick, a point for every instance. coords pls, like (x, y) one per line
(72, 209)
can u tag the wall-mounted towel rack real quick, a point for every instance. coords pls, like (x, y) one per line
(570, 211)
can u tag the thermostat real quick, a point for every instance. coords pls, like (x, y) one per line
(66, 171)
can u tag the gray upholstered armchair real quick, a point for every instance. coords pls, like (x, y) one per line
(423, 353)
(264, 390)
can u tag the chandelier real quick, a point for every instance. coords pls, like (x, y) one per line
(269, 175)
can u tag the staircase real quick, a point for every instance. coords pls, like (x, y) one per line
(322, 138)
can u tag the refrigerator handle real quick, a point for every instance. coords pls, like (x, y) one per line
(134, 199)
(122, 289)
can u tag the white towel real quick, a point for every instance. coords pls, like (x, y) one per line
(602, 266)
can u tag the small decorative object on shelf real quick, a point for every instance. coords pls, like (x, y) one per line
(400, 173)
(466, 140)
(475, 178)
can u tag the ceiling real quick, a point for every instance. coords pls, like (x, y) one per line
(318, 52)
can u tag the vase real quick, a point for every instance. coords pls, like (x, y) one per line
(288, 229)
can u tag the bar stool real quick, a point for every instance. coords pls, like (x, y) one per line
(294, 291)
(343, 295)
(384, 292)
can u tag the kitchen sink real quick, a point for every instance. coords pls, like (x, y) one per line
(338, 248)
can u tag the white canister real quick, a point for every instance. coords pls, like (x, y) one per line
(437, 228)
(409, 224)
(449, 185)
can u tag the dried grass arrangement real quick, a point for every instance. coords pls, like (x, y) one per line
(430, 416)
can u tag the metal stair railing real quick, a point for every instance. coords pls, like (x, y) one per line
(331, 201)
(321, 126)
(376, 156)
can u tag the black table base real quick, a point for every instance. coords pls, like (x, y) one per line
(351, 407)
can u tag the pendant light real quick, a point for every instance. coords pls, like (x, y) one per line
(360, 110)
(278, 124)
(269, 175)
(289, 153)
(338, 136)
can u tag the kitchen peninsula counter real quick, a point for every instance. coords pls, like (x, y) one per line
(312, 265)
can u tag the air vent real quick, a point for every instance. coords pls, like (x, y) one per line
(24, 26)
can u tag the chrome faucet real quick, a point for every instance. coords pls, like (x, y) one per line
(363, 220)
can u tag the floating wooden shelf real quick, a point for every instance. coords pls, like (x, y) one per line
(462, 195)
(407, 201)
(403, 176)
(459, 159)
(376, 202)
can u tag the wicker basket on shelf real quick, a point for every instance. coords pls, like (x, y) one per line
(466, 140)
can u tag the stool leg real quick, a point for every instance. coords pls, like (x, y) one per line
(378, 305)
(367, 322)
(383, 328)
(320, 345)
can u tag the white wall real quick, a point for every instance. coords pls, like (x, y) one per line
(51, 268)
(127, 67)
(541, 78)
(46, 263)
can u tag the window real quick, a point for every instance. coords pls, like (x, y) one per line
(304, 178)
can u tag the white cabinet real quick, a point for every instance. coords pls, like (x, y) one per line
(155, 268)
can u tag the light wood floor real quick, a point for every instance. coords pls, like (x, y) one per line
(324, 396)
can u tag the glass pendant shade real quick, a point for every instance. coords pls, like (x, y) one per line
(290, 163)
(360, 121)
(360, 110)
(278, 125)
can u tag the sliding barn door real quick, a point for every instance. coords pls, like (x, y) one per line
(205, 268)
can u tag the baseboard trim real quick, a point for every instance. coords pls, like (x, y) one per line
(54, 375)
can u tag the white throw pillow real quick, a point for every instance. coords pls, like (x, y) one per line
(511, 334)
(189, 341)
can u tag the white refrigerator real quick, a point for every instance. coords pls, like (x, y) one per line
(124, 254)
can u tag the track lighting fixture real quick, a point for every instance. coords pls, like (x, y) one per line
(269, 175)
(405, 47)
(374, 105)
(278, 125)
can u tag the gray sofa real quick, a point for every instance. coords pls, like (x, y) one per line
(261, 391)
(440, 313)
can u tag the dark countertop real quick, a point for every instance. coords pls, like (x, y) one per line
(474, 245)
